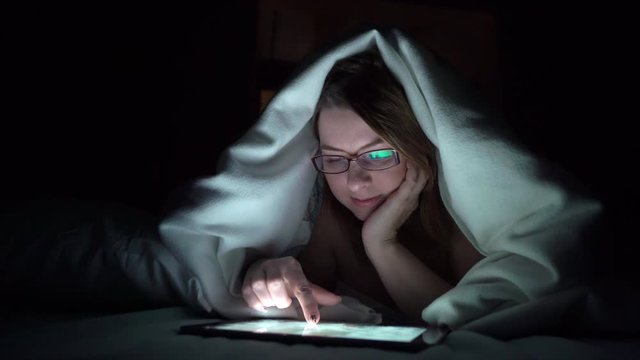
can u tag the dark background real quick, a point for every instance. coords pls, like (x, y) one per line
(122, 103)
(126, 103)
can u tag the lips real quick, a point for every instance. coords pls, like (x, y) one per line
(366, 202)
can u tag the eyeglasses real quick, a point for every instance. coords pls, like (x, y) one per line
(371, 160)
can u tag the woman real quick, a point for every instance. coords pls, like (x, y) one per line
(382, 229)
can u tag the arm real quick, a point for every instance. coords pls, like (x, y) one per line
(408, 279)
(411, 283)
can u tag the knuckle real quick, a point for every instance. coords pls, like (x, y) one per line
(290, 264)
(274, 284)
(290, 261)
(247, 295)
(405, 196)
(302, 289)
(267, 263)
(258, 285)
(423, 180)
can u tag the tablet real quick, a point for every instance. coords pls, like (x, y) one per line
(404, 338)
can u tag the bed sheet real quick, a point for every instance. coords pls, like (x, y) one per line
(152, 334)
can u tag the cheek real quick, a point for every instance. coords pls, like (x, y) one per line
(392, 179)
(336, 184)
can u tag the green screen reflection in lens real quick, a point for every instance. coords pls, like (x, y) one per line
(380, 154)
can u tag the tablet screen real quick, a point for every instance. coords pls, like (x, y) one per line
(404, 334)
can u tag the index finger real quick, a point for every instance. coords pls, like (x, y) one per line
(301, 289)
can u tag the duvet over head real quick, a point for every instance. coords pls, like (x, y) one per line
(527, 217)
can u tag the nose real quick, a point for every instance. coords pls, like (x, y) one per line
(357, 178)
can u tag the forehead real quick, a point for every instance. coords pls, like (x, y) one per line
(343, 128)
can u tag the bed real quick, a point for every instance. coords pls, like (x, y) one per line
(152, 334)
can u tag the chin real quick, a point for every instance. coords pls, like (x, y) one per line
(361, 215)
(357, 213)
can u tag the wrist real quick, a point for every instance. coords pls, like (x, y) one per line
(380, 245)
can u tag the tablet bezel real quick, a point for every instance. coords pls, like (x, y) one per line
(207, 330)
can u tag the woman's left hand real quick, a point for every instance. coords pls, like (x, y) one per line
(382, 225)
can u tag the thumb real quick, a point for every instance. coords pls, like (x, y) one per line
(324, 296)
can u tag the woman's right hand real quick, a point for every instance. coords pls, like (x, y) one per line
(276, 282)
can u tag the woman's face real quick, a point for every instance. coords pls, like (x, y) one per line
(343, 132)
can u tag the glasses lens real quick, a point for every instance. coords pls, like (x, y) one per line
(331, 163)
(378, 159)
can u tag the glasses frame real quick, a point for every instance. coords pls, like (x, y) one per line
(355, 158)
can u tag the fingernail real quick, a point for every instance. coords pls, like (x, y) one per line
(314, 318)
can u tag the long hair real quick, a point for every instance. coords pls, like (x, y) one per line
(363, 84)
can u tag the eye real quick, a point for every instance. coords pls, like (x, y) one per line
(332, 159)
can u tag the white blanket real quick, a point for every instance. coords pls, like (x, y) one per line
(529, 218)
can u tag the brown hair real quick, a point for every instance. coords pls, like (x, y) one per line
(363, 84)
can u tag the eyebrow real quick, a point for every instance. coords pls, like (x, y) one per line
(374, 142)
